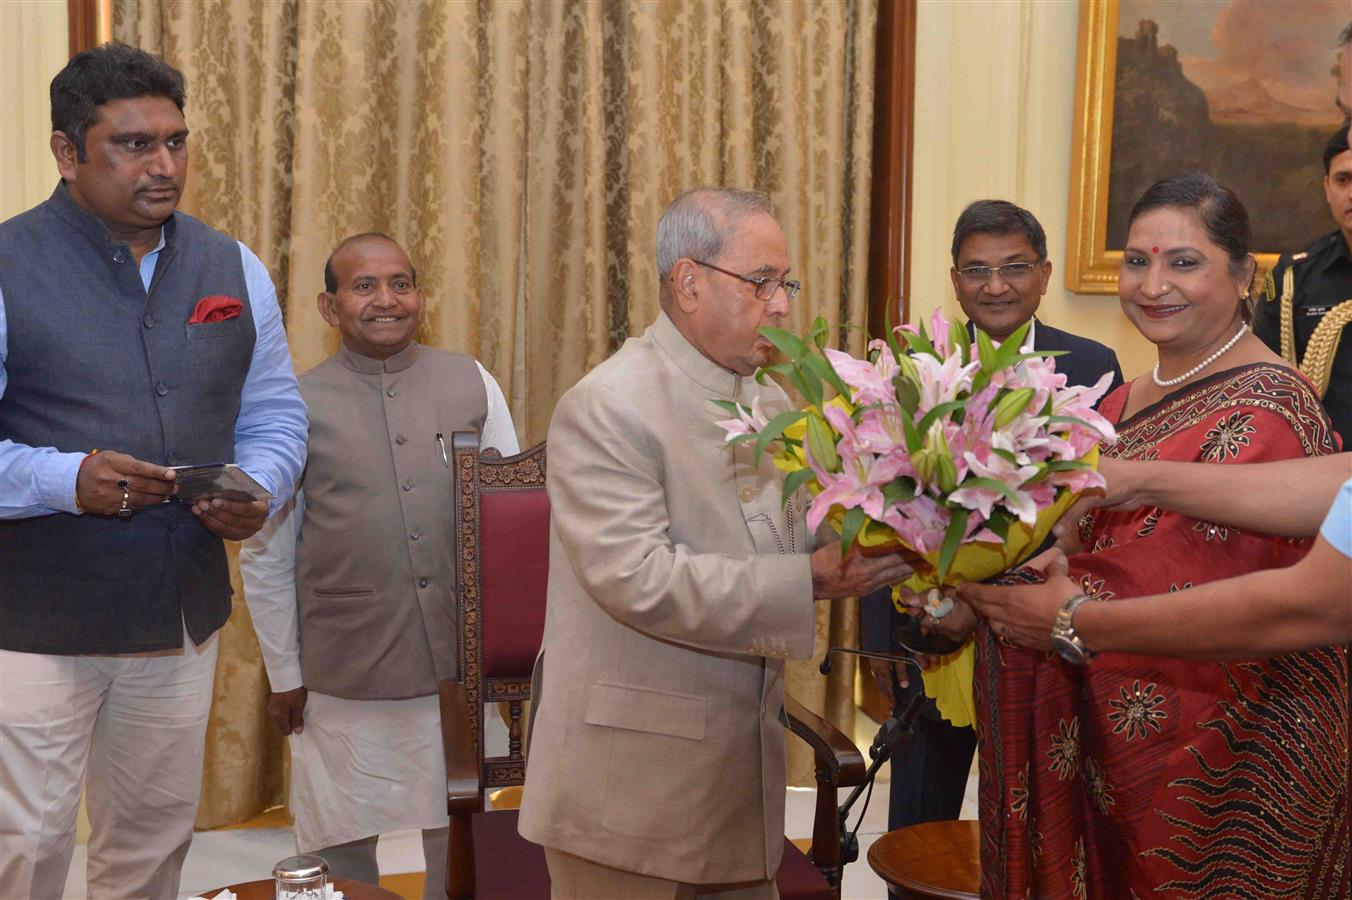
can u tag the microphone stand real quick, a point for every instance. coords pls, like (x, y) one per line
(894, 731)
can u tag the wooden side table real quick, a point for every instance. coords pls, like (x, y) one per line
(934, 859)
(266, 889)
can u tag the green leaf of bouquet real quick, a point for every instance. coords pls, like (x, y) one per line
(963, 341)
(914, 439)
(889, 335)
(985, 351)
(999, 523)
(821, 367)
(957, 529)
(898, 490)
(1070, 420)
(908, 395)
(1067, 465)
(991, 484)
(744, 438)
(786, 342)
(943, 409)
(821, 442)
(1007, 455)
(793, 482)
(774, 428)
(918, 343)
(731, 407)
(820, 332)
(855, 519)
(808, 384)
(1011, 345)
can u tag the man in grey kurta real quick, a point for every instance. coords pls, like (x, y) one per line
(351, 587)
(678, 584)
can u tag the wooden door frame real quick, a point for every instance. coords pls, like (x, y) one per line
(89, 23)
(893, 138)
(889, 265)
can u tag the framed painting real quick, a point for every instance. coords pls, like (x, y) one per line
(1243, 89)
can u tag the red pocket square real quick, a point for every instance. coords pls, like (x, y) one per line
(216, 308)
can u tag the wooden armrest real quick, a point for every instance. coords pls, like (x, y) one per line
(834, 752)
(463, 791)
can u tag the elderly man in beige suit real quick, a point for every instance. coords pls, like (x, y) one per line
(678, 584)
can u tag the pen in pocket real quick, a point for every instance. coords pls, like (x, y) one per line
(441, 445)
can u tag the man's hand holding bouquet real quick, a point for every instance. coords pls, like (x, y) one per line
(961, 453)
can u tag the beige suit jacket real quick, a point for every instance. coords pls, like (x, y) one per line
(677, 586)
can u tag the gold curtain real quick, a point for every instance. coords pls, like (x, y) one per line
(521, 152)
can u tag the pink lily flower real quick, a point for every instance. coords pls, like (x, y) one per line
(870, 382)
(858, 484)
(751, 422)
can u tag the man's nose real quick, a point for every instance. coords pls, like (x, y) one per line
(996, 284)
(778, 305)
(161, 162)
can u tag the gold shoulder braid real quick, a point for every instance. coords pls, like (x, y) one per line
(1323, 344)
(1288, 323)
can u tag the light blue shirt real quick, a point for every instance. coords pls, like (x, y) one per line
(270, 431)
(1337, 528)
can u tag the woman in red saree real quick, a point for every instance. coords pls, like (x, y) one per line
(1138, 776)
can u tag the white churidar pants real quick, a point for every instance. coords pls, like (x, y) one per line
(131, 730)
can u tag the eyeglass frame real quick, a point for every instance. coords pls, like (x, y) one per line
(791, 287)
(1004, 276)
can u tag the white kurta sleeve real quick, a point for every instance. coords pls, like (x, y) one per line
(267, 562)
(498, 430)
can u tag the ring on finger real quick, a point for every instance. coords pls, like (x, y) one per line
(124, 511)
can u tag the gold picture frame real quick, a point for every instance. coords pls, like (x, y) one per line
(1091, 267)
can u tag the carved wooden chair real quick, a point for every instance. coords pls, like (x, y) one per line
(502, 535)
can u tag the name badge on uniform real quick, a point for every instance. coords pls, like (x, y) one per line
(1314, 312)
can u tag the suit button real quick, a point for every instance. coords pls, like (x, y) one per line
(407, 485)
(390, 392)
(161, 388)
(120, 255)
(148, 320)
(173, 523)
(414, 535)
(400, 440)
(422, 582)
(748, 494)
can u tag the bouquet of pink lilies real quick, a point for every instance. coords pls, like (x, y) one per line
(964, 452)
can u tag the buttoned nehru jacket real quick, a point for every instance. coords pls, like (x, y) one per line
(678, 584)
(374, 556)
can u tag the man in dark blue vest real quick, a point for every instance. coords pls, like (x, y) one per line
(133, 338)
(1000, 273)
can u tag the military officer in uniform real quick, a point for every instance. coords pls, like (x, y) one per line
(1308, 305)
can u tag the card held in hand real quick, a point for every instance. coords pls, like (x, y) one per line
(225, 480)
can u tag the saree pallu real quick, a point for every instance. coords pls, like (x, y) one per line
(1140, 776)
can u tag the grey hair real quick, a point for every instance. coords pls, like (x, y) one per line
(1345, 37)
(699, 222)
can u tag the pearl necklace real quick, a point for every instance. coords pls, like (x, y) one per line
(1170, 382)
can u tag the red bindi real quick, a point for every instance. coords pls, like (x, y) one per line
(1154, 249)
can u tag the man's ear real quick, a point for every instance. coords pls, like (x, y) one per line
(63, 148)
(953, 277)
(1046, 275)
(326, 303)
(685, 285)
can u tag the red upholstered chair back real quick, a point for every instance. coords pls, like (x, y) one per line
(502, 537)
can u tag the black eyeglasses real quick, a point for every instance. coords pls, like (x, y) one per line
(765, 286)
(1010, 273)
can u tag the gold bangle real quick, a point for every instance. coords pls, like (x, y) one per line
(79, 507)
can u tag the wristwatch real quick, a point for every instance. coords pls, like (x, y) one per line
(1064, 639)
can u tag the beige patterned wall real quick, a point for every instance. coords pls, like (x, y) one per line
(521, 152)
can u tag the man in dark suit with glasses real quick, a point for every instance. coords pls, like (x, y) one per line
(1000, 273)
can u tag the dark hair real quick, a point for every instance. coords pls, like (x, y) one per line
(1222, 215)
(111, 72)
(1345, 37)
(331, 277)
(1336, 145)
(998, 217)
